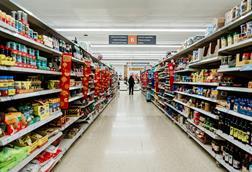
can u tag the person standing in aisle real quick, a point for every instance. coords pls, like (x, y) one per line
(131, 84)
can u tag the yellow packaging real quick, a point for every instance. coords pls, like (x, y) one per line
(41, 109)
(11, 92)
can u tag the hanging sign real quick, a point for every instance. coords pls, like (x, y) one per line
(66, 64)
(85, 80)
(171, 74)
(132, 39)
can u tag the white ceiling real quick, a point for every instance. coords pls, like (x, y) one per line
(130, 14)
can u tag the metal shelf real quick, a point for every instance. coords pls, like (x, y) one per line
(28, 70)
(69, 122)
(231, 112)
(185, 71)
(84, 106)
(76, 87)
(168, 94)
(237, 46)
(67, 143)
(29, 42)
(199, 110)
(226, 29)
(227, 69)
(75, 98)
(76, 60)
(226, 165)
(8, 139)
(85, 119)
(198, 97)
(208, 148)
(239, 144)
(244, 68)
(172, 107)
(27, 95)
(35, 153)
(210, 133)
(205, 61)
(90, 93)
(211, 84)
(235, 89)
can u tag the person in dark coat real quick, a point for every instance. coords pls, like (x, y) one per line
(131, 85)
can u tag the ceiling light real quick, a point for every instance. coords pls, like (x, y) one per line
(136, 46)
(130, 30)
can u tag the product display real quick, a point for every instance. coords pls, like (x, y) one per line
(212, 101)
(35, 66)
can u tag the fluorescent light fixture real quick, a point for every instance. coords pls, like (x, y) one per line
(130, 30)
(135, 46)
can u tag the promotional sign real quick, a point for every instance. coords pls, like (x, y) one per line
(144, 79)
(156, 81)
(97, 81)
(132, 39)
(66, 64)
(171, 67)
(85, 81)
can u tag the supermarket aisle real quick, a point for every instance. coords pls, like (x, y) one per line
(132, 135)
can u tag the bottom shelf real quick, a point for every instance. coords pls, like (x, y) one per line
(207, 148)
(28, 159)
(66, 144)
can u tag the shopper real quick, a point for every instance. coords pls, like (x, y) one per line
(131, 85)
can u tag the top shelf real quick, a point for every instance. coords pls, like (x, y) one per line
(245, 18)
(29, 42)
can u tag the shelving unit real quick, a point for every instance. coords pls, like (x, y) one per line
(9, 33)
(8, 139)
(214, 63)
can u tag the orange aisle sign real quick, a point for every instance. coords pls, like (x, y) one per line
(132, 39)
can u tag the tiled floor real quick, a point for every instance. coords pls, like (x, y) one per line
(132, 135)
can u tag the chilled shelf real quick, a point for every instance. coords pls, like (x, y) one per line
(197, 96)
(28, 70)
(239, 144)
(235, 89)
(28, 95)
(35, 153)
(8, 139)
